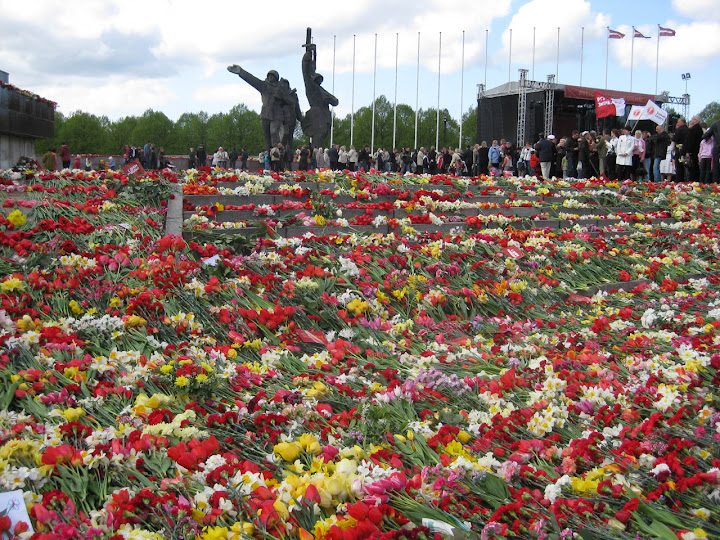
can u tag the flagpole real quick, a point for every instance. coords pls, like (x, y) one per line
(607, 54)
(397, 41)
(657, 61)
(582, 50)
(332, 117)
(557, 61)
(533, 63)
(462, 83)
(352, 100)
(487, 34)
(437, 126)
(372, 131)
(510, 56)
(632, 55)
(417, 91)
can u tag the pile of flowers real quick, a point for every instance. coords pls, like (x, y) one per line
(486, 382)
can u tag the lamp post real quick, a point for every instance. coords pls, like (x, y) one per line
(445, 129)
(686, 97)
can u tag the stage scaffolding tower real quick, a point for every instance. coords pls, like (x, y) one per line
(522, 107)
(549, 104)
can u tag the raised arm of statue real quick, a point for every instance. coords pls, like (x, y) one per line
(249, 78)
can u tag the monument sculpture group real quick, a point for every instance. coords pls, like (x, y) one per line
(280, 106)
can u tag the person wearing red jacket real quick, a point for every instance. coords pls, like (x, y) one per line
(65, 155)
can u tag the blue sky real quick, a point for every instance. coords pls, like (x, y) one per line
(119, 58)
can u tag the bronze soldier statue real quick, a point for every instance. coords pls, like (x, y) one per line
(271, 114)
(316, 123)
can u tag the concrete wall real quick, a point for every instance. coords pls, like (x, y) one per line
(12, 148)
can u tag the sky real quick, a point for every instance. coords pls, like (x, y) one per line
(122, 57)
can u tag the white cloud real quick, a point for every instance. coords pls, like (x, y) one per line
(545, 16)
(673, 50)
(238, 92)
(697, 9)
(113, 97)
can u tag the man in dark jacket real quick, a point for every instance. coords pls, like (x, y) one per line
(201, 156)
(546, 151)
(692, 149)
(333, 157)
(681, 133)
(661, 140)
(584, 155)
(571, 147)
(714, 131)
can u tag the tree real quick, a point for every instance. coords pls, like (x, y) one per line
(83, 132)
(469, 125)
(155, 127)
(121, 132)
(711, 112)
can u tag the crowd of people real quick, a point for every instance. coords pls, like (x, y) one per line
(685, 154)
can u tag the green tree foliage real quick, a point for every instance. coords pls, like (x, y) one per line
(711, 112)
(90, 134)
(154, 126)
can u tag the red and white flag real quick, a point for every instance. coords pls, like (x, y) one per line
(665, 32)
(654, 112)
(637, 34)
(614, 34)
(606, 106)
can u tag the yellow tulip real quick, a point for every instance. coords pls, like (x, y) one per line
(287, 451)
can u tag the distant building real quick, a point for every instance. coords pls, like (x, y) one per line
(24, 117)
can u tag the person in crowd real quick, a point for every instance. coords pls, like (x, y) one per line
(201, 156)
(648, 161)
(406, 159)
(705, 157)
(65, 155)
(601, 146)
(583, 155)
(343, 158)
(535, 164)
(76, 165)
(612, 154)
(681, 133)
(660, 143)
(468, 159)
(387, 158)
(364, 159)
(624, 160)
(243, 159)
(561, 159)
(494, 156)
(714, 132)
(88, 164)
(334, 156)
(126, 154)
(49, 159)
(264, 158)
(304, 161)
(111, 163)
(147, 153)
(524, 159)
(432, 160)
(379, 159)
(321, 159)
(476, 161)
(232, 158)
(420, 161)
(571, 147)
(692, 149)
(276, 157)
(483, 158)
(667, 165)
(351, 161)
(545, 149)
(191, 158)
(638, 156)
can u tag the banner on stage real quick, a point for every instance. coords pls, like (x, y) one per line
(607, 106)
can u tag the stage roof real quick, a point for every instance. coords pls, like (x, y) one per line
(573, 92)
